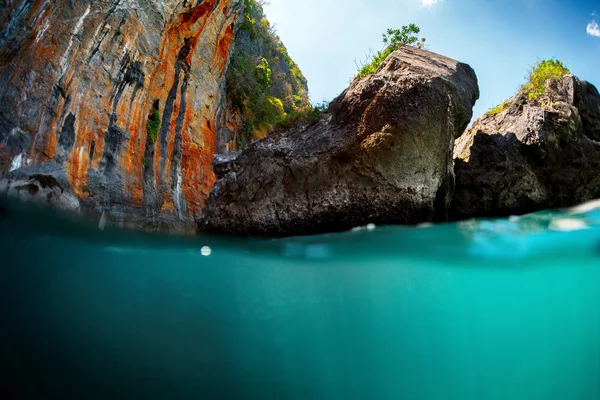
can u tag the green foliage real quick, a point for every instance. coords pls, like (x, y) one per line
(262, 80)
(408, 36)
(392, 39)
(500, 107)
(262, 73)
(541, 72)
(271, 110)
(249, 24)
(376, 60)
(153, 125)
(306, 116)
(535, 87)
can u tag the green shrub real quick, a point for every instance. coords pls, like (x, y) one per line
(541, 72)
(500, 107)
(535, 87)
(249, 24)
(153, 125)
(392, 39)
(306, 116)
(272, 110)
(262, 73)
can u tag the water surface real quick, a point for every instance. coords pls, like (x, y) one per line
(490, 309)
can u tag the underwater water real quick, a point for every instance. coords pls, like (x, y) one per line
(490, 309)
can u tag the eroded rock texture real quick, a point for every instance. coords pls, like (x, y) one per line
(122, 95)
(533, 155)
(384, 156)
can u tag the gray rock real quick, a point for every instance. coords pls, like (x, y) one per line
(532, 156)
(224, 163)
(45, 184)
(384, 156)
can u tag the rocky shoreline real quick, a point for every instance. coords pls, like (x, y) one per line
(380, 157)
(126, 122)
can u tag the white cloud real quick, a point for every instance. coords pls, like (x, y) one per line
(593, 29)
(428, 3)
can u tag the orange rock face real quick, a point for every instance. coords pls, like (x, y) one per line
(83, 82)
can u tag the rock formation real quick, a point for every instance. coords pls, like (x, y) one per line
(121, 95)
(531, 156)
(383, 156)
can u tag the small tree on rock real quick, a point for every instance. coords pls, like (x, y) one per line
(407, 36)
(393, 39)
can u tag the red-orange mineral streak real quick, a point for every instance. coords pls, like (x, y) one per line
(58, 65)
(222, 55)
(198, 141)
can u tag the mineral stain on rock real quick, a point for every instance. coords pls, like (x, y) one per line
(79, 79)
(117, 108)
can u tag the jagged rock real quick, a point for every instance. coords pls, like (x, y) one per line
(384, 156)
(81, 80)
(533, 155)
(223, 163)
(45, 184)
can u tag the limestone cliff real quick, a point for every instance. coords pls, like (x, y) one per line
(122, 95)
(264, 85)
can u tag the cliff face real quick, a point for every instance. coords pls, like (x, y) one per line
(264, 85)
(121, 94)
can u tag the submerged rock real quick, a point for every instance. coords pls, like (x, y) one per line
(531, 156)
(383, 156)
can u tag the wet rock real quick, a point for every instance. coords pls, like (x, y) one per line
(384, 156)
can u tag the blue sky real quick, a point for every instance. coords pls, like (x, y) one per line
(500, 39)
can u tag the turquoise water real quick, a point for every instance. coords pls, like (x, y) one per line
(496, 309)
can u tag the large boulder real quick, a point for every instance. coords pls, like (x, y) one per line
(536, 154)
(383, 156)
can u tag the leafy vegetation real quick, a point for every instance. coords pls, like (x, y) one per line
(153, 125)
(393, 39)
(540, 73)
(500, 107)
(249, 24)
(262, 81)
(262, 73)
(535, 87)
(306, 116)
